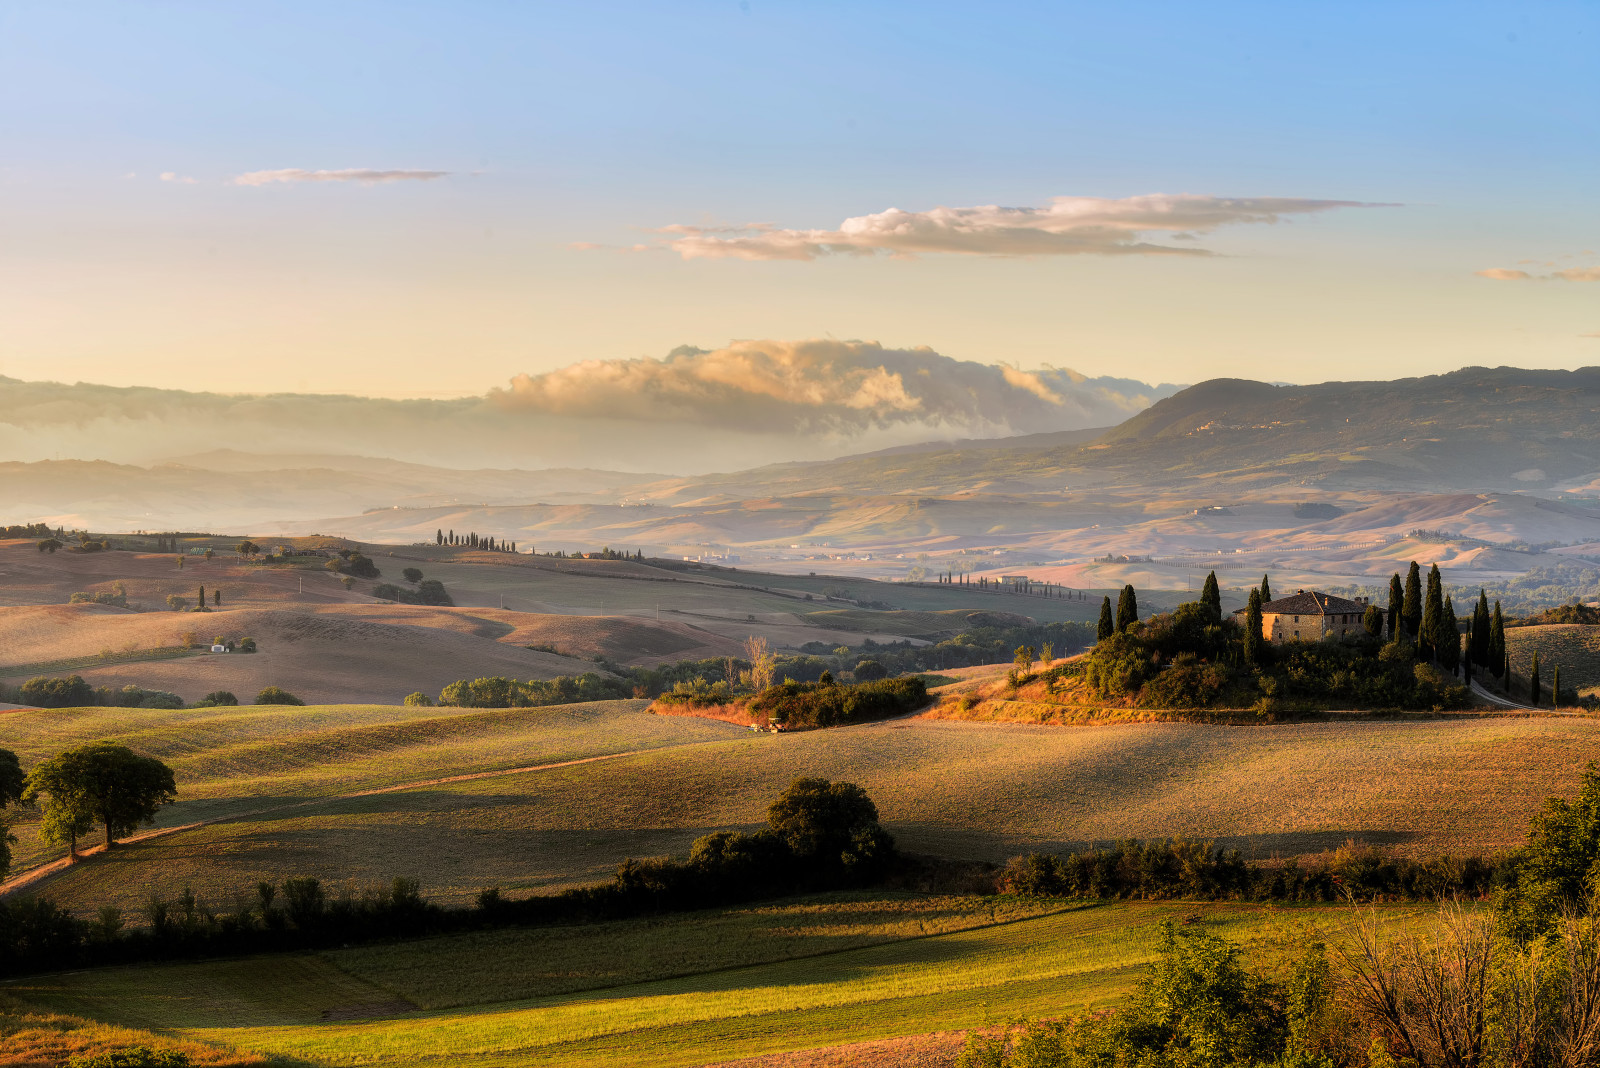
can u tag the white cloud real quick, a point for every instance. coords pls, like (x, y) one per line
(826, 386)
(1504, 274)
(359, 174)
(174, 176)
(1067, 226)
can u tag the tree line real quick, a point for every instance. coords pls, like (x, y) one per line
(820, 835)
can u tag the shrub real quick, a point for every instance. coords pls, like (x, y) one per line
(500, 692)
(57, 692)
(275, 695)
(869, 671)
(815, 704)
(133, 1057)
(412, 575)
(216, 698)
(419, 698)
(428, 591)
(133, 696)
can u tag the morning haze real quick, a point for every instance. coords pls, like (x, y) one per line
(1021, 536)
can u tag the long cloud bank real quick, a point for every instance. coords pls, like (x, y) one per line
(694, 410)
(1065, 226)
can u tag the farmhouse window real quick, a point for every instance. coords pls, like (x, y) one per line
(1297, 619)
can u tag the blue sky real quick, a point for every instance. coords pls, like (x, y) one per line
(590, 124)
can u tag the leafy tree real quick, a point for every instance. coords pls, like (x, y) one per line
(1254, 642)
(1497, 643)
(176, 603)
(11, 787)
(1396, 611)
(1411, 610)
(1372, 622)
(1022, 659)
(1211, 597)
(1533, 680)
(276, 695)
(1106, 627)
(1127, 609)
(419, 698)
(412, 575)
(107, 782)
(830, 824)
(247, 645)
(868, 670)
(1266, 590)
(217, 698)
(247, 549)
(49, 545)
(1553, 871)
(67, 815)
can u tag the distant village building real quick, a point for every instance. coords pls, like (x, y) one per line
(1311, 616)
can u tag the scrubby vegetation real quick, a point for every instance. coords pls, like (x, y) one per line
(501, 692)
(427, 591)
(794, 705)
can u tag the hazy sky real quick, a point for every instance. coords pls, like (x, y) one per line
(431, 199)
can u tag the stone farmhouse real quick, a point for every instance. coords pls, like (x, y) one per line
(1310, 616)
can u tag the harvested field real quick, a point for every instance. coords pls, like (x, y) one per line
(964, 790)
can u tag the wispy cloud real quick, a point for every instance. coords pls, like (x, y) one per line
(1570, 274)
(1066, 226)
(174, 176)
(354, 174)
(824, 386)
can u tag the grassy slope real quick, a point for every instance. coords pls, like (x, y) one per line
(984, 791)
(1064, 962)
(1573, 647)
(231, 760)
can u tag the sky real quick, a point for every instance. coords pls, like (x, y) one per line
(443, 200)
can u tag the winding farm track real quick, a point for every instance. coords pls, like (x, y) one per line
(1505, 702)
(34, 876)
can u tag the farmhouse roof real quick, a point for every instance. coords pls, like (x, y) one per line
(1312, 603)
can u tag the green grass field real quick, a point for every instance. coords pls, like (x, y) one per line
(1573, 647)
(980, 791)
(747, 989)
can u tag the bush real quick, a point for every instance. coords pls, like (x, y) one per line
(133, 696)
(870, 671)
(133, 1057)
(57, 693)
(411, 575)
(274, 695)
(419, 698)
(216, 699)
(428, 591)
(815, 704)
(500, 692)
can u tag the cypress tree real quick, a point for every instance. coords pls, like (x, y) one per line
(1432, 618)
(216, 598)
(1106, 628)
(1253, 641)
(1497, 643)
(1411, 609)
(1480, 630)
(1396, 599)
(1533, 680)
(1448, 643)
(1211, 597)
(1266, 590)
(1127, 608)
(202, 601)
(1555, 687)
(438, 537)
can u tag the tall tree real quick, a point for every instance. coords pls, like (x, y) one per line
(1396, 600)
(438, 536)
(11, 787)
(1253, 640)
(1411, 610)
(1448, 643)
(201, 603)
(1555, 687)
(1533, 680)
(1479, 653)
(1497, 643)
(1266, 590)
(216, 598)
(1432, 630)
(1127, 608)
(1107, 627)
(1211, 597)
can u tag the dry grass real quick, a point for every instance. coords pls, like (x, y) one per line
(955, 789)
(36, 1038)
(1573, 647)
